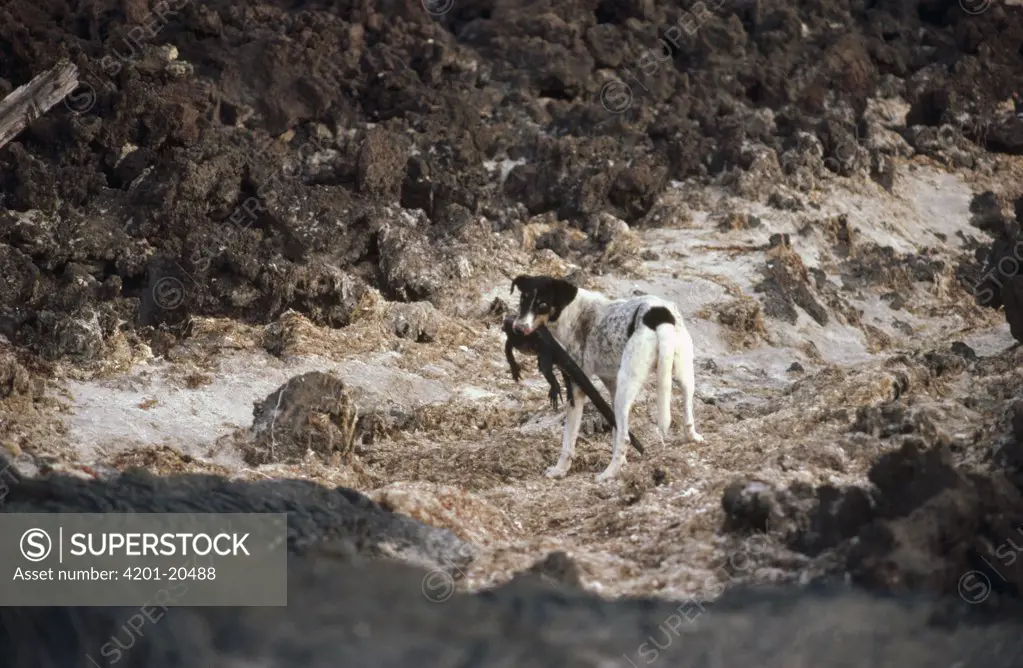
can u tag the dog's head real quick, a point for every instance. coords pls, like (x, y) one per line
(541, 301)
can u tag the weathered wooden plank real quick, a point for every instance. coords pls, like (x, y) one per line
(35, 98)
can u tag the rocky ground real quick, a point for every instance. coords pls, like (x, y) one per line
(386, 622)
(266, 241)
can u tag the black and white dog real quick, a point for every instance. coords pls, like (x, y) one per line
(619, 341)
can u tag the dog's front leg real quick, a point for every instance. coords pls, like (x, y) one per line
(573, 420)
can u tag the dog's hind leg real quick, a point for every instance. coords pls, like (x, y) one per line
(573, 420)
(637, 361)
(612, 391)
(608, 412)
(666, 344)
(685, 373)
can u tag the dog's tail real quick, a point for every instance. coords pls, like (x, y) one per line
(661, 320)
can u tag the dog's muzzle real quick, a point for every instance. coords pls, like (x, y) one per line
(522, 328)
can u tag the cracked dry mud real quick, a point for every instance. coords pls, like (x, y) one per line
(278, 245)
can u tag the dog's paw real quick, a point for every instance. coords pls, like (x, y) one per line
(555, 397)
(610, 473)
(556, 472)
(695, 437)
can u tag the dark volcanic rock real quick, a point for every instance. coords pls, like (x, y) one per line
(986, 212)
(923, 526)
(377, 615)
(313, 411)
(382, 159)
(935, 524)
(418, 321)
(557, 567)
(998, 282)
(1006, 135)
(341, 605)
(1012, 298)
(411, 268)
(837, 515)
(316, 515)
(14, 378)
(787, 284)
(236, 158)
(748, 505)
(964, 351)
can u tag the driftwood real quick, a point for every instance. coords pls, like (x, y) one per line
(35, 98)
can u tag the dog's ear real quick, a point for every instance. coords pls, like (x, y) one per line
(520, 283)
(564, 292)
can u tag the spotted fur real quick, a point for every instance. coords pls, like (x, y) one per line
(620, 341)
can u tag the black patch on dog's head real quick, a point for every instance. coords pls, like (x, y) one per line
(545, 296)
